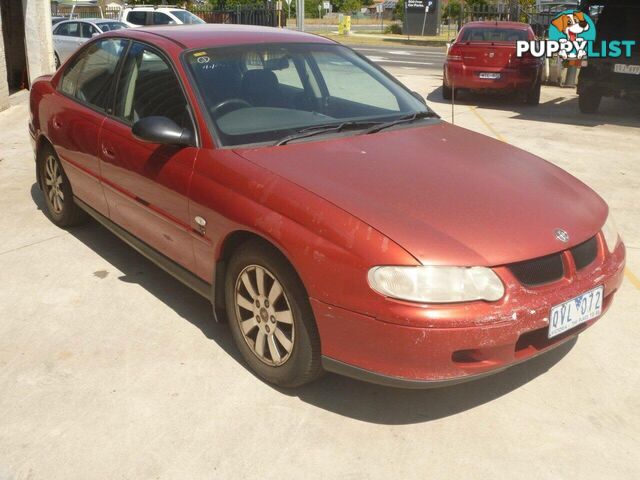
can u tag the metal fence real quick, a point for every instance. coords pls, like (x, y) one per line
(266, 15)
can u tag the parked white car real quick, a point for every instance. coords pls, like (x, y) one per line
(69, 35)
(150, 15)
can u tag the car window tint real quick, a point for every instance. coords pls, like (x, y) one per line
(160, 18)
(479, 34)
(70, 76)
(137, 17)
(88, 30)
(73, 29)
(356, 85)
(148, 87)
(62, 29)
(97, 74)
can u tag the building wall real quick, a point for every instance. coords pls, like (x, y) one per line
(4, 85)
(38, 37)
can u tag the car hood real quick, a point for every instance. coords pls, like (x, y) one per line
(447, 195)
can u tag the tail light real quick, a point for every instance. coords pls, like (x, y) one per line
(454, 54)
(527, 59)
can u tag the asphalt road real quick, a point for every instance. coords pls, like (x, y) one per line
(409, 60)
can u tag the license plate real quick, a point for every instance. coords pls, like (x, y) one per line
(573, 312)
(629, 69)
(489, 75)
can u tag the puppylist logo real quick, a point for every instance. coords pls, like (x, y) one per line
(572, 35)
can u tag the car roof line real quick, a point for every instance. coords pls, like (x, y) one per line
(180, 44)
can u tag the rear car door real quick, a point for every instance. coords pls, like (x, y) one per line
(146, 184)
(67, 39)
(85, 94)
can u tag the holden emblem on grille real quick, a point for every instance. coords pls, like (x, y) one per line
(561, 235)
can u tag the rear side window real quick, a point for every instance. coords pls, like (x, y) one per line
(71, 29)
(149, 87)
(90, 77)
(137, 17)
(480, 34)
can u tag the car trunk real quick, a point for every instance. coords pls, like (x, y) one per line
(487, 54)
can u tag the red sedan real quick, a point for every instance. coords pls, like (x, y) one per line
(483, 57)
(337, 225)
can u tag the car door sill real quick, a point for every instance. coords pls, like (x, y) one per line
(168, 265)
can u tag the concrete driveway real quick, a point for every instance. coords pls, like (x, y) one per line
(109, 368)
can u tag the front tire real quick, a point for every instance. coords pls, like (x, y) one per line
(58, 195)
(589, 100)
(270, 316)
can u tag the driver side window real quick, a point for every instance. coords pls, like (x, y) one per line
(148, 87)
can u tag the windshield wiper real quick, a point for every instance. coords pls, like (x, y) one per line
(326, 128)
(406, 119)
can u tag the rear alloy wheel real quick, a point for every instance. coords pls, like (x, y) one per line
(62, 210)
(589, 100)
(270, 317)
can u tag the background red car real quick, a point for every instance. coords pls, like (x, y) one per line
(483, 57)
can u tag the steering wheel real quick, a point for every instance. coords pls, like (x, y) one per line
(229, 105)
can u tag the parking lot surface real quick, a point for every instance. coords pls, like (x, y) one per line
(110, 368)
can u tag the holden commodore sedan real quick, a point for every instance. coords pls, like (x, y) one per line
(329, 215)
(483, 58)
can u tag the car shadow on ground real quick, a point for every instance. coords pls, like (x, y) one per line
(341, 395)
(561, 109)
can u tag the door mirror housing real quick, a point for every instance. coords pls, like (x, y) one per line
(162, 130)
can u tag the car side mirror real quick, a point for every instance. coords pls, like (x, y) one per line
(419, 97)
(162, 130)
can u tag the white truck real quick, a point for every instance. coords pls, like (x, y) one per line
(145, 15)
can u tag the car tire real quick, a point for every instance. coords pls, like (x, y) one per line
(57, 60)
(589, 100)
(533, 95)
(447, 92)
(275, 332)
(58, 195)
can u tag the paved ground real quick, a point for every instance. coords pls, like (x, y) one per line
(109, 368)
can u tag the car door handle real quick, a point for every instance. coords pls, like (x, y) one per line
(108, 153)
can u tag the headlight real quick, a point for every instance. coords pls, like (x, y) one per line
(436, 284)
(610, 232)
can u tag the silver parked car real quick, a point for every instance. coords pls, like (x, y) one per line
(70, 34)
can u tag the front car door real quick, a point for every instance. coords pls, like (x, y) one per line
(146, 184)
(85, 94)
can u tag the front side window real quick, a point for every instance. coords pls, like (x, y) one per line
(109, 26)
(187, 17)
(87, 30)
(149, 87)
(261, 93)
(160, 18)
(90, 77)
(137, 17)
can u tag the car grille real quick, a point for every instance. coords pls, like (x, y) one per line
(540, 271)
(585, 253)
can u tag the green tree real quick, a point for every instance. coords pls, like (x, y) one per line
(350, 6)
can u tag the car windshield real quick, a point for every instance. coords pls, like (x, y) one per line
(486, 34)
(108, 26)
(262, 93)
(187, 17)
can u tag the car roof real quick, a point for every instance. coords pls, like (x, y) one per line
(219, 34)
(499, 24)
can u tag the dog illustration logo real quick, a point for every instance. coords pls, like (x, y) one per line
(573, 27)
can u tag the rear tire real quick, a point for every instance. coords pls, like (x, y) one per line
(589, 100)
(57, 60)
(533, 95)
(58, 195)
(270, 316)
(447, 92)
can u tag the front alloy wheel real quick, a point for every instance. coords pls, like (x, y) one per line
(270, 316)
(264, 315)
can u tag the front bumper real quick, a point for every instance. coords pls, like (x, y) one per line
(379, 351)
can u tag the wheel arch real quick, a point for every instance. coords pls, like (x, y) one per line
(227, 248)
